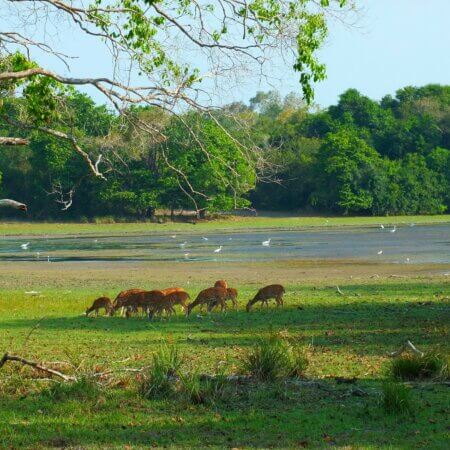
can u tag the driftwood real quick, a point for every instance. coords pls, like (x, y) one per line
(35, 365)
(408, 345)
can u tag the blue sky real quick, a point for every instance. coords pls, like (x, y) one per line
(395, 43)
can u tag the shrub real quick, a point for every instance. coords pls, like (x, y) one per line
(160, 379)
(396, 397)
(84, 388)
(275, 358)
(413, 367)
(206, 391)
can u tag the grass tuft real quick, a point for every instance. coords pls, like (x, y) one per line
(85, 388)
(160, 379)
(273, 359)
(396, 397)
(415, 367)
(204, 391)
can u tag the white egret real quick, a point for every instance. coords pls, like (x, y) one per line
(25, 246)
(266, 243)
(382, 226)
(393, 229)
(218, 250)
(205, 238)
(380, 252)
(173, 236)
(183, 244)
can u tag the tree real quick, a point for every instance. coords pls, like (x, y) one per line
(143, 36)
(345, 173)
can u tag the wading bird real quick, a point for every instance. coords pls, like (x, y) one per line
(24, 246)
(266, 243)
(218, 250)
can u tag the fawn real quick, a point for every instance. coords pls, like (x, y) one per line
(210, 297)
(101, 302)
(266, 293)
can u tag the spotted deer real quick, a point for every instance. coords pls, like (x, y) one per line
(210, 297)
(101, 302)
(266, 293)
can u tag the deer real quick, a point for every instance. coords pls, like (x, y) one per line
(128, 299)
(211, 297)
(166, 303)
(266, 293)
(221, 284)
(101, 302)
(232, 294)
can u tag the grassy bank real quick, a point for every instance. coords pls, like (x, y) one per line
(343, 336)
(228, 224)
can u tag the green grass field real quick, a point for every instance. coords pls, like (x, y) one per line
(229, 223)
(343, 336)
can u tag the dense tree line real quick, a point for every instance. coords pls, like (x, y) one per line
(359, 156)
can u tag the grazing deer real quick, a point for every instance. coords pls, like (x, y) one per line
(221, 284)
(129, 299)
(166, 303)
(101, 302)
(210, 297)
(266, 293)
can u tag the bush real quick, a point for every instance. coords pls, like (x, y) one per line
(84, 388)
(160, 379)
(275, 358)
(396, 397)
(206, 391)
(414, 367)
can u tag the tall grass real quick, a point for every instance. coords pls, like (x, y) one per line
(396, 397)
(275, 358)
(415, 367)
(160, 379)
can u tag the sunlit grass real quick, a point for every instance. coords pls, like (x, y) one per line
(228, 223)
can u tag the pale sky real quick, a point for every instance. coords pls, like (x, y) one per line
(394, 44)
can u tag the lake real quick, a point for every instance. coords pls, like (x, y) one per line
(408, 244)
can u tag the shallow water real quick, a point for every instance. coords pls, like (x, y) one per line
(408, 244)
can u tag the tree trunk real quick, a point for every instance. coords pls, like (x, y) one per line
(201, 213)
(13, 141)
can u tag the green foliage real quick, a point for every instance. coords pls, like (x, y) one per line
(159, 380)
(396, 398)
(274, 358)
(416, 367)
(85, 388)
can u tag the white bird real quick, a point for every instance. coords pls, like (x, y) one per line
(382, 226)
(205, 238)
(25, 246)
(230, 239)
(38, 254)
(186, 255)
(380, 252)
(32, 292)
(183, 244)
(266, 243)
(48, 258)
(218, 250)
(407, 260)
(95, 240)
(393, 229)
(173, 236)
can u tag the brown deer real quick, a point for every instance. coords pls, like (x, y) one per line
(232, 294)
(209, 297)
(221, 284)
(101, 302)
(266, 293)
(128, 299)
(166, 303)
(172, 289)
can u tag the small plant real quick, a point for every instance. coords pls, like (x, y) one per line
(160, 379)
(275, 358)
(204, 391)
(415, 367)
(396, 397)
(84, 388)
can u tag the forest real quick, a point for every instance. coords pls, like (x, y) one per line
(357, 157)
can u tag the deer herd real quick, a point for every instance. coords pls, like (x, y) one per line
(158, 302)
